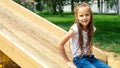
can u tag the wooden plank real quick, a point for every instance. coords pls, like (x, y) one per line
(21, 34)
(34, 54)
(23, 41)
(33, 17)
(12, 52)
(100, 55)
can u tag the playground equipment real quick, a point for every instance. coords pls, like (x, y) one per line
(30, 40)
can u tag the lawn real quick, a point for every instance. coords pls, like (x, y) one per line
(107, 35)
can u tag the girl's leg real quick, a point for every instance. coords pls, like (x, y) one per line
(82, 63)
(99, 64)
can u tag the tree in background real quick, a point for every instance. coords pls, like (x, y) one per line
(117, 3)
(51, 6)
(56, 6)
(60, 6)
(72, 6)
(29, 4)
(117, 6)
(39, 5)
(109, 3)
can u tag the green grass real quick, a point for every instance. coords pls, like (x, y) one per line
(107, 34)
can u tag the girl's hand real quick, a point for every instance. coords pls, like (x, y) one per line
(71, 65)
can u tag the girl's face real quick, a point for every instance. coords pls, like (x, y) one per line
(84, 16)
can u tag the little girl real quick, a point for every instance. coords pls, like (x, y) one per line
(80, 35)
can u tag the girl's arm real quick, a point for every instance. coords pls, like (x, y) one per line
(62, 49)
(62, 43)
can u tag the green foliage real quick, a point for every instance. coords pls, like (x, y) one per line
(107, 33)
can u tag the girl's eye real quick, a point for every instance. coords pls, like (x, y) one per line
(80, 15)
(87, 14)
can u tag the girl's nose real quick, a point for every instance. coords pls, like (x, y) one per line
(85, 17)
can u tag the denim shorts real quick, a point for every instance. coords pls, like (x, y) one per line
(89, 62)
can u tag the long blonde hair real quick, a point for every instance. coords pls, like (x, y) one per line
(89, 28)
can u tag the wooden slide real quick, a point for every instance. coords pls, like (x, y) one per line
(30, 40)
